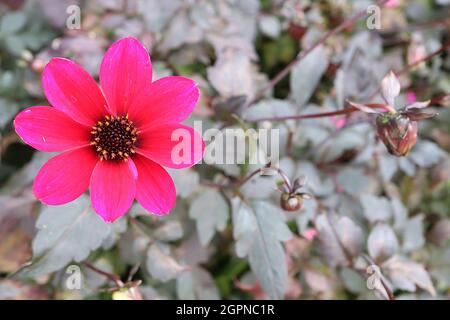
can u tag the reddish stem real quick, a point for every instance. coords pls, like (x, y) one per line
(444, 47)
(430, 56)
(418, 26)
(345, 24)
(112, 277)
(319, 115)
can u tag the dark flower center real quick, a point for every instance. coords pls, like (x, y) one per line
(114, 138)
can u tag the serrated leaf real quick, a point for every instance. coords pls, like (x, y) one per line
(350, 235)
(186, 181)
(269, 108)
(165, 9)
(427, 154)
(376, 208)
(353, 280)
(388, 166)
(335, 236)
(352, 138)
(7, 111)
(307, 214)
(413, 238)
(161, 265)
(406, 275)
(65, 233)
(12, 22)
(232, 74)
(270, 26)
(400, 213)
(169, 231)
(15, 44)
(27, 174)
(382, 242)
(258, 230)
(15, 243)
(14, 290)
(318, 183)
(211, 213)
(328, 245)
(407, 166)
(306, 74)
(117, 228)
(353, 180)
(244, 226)
(196, 284)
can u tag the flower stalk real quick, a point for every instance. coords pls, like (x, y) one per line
(283, 73)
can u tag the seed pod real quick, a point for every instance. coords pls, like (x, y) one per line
(398, 132)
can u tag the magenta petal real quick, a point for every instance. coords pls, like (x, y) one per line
(172, 145)
(113, 187)
(125, 71)
(72, 90)
(48, 129)
(155, 188)
(168, 100)
(65, 177)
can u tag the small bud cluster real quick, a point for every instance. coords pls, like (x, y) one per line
(291, 197)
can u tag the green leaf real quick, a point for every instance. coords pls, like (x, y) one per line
(336, 234)
(258, 231)
(318, 183)
(406, 275)
(197, 284)
(27, 174)
(306, 75)
(382, 242)
(15, 44)
(65, 233)
(186, 181)
(427, 154)
(12, 22)
(353, 180)
(210, 211)
(169, 231)
(161, 265)
(269, 108)
(7, 110)
(352, 138)
(388, 166)
(413, 237)
(376, 208)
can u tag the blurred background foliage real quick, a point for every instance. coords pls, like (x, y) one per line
(225, 243)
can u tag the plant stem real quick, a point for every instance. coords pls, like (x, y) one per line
(439, 100)
(430, 56)
(349, 110)
(389, 292)
(418, 26)
(349, 258)
(318, 115)
(348, 22)
(112, 277)
(239, 183)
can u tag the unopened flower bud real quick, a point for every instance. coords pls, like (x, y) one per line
(291, 202)
(398, 132)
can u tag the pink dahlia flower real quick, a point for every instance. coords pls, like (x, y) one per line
(114, 141)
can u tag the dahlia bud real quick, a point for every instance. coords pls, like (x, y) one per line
(396, 128)
(291, 198)
(398, 132)
(291, 202)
